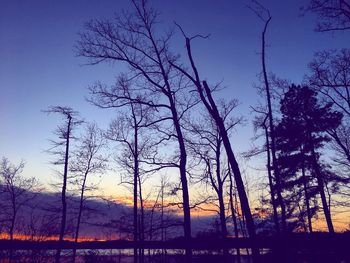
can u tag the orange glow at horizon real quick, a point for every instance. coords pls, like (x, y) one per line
(209, 209)
(50, 238)
(203, 210)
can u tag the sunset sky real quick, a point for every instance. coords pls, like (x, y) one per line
(38, 66)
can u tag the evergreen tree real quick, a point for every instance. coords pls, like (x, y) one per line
(301, 134)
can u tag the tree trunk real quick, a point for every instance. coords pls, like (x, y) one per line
(234, 218)
(307, 201)
(211, 107)
(79, 215)
(162, 235)
(63, 196)
(220, 196)
(271, 185)
(235, 169)
(142, 223)
(12, 225)
(136, 175)
(272, 133)
(320, 188)
(183, 178)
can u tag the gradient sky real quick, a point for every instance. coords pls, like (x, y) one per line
(38, 67)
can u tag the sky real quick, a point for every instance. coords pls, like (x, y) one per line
(39, 67)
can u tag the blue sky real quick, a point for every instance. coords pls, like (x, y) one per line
(38, 66)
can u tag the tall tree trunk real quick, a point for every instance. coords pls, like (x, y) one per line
(222, 214)
(212, 108)
(320, 188)
(234, 218)
(305, 185)
(183, 178)
(162, 235)
(13, 220)
(242, 222)
(142, 223)
(271, 185)
(183, 154)
(136, 175)
(63, 195)
(81, 202)
(12, 226)
(221, 196)
(272, 132)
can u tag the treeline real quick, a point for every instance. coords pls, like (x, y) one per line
(169, 118)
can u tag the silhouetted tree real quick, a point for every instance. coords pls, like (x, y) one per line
(64, 134)
(233, 207)
(205, 143)
(132, 39)
(130, 130)
(269, 125)
(329, 76)
(333, 15)
(205, 94)
(294, 164)
(85, 161)
(16, 192)
(303, 125)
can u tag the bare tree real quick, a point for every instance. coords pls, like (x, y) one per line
(205, 94)
(233, 205)
(64, 133)
(85, 161)
(130, 130)
(132, 39)
(329, 76)
(205, 142)
(16, 192)
(269, 126)
(333, 15)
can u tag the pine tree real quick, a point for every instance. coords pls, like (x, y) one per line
(301, 135)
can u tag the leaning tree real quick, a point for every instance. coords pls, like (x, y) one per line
(204, 92)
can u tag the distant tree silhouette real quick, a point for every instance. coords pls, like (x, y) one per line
(302, 132)
(64, 134)
(16, 192)
(85, 161)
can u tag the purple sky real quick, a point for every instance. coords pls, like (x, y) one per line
(38, 67)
